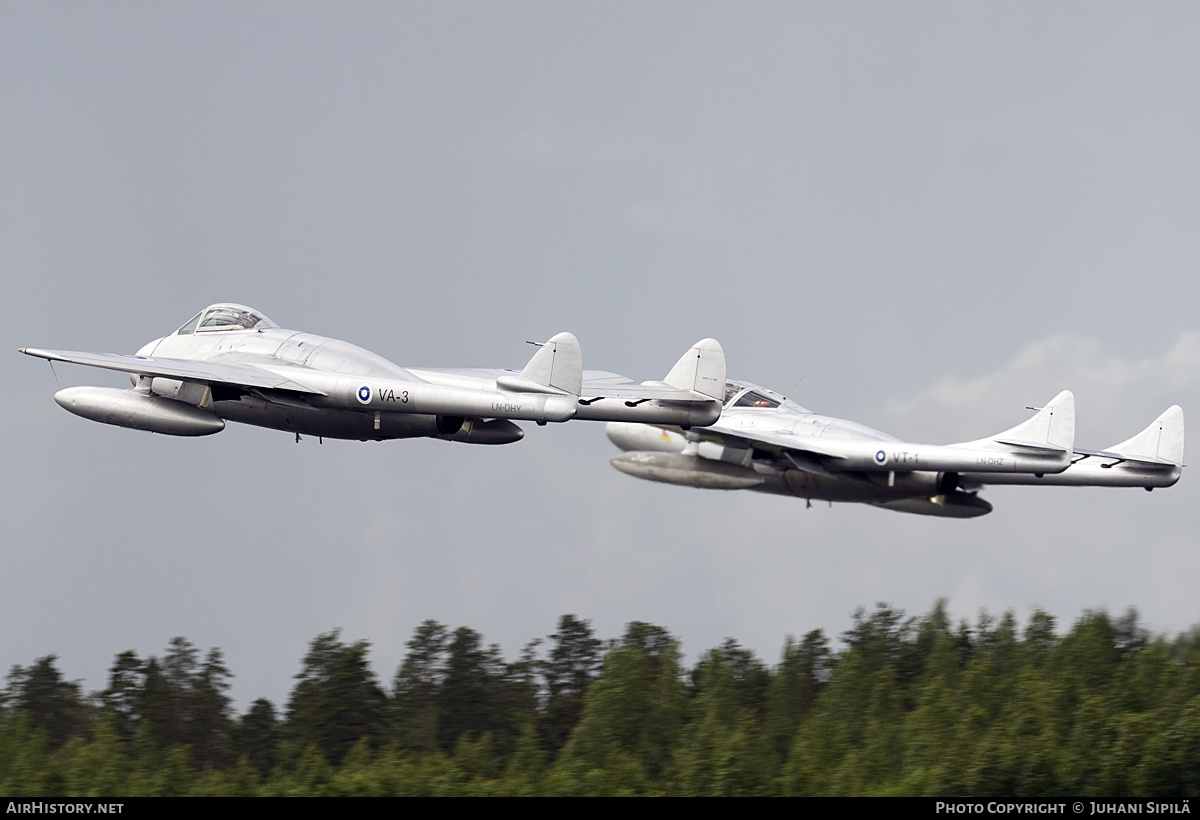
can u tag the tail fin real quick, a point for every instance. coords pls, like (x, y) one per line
(557, 364)
(1161, 442)
(1051, 428)
(701, 369)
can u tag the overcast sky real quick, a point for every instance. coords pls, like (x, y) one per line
(933, 214)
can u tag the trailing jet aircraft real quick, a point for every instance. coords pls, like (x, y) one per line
(766, 442)
(230, 362)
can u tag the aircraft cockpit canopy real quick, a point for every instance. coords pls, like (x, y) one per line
(744, 394)
(225, 317)
(753, 398)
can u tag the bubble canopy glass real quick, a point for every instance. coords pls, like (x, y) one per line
(225, 317)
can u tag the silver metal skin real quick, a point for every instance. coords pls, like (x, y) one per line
(141, 411)
(768, 443)
(232, 363)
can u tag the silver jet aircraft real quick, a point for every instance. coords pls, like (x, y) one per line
(230, 362)
(766, 442)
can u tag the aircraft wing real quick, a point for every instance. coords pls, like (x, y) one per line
(808, 454)
(208, 372)
(780, 441)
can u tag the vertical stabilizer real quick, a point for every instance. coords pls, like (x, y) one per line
(1161, 441)
(1051, 428)
(701, 369)
(557, 364)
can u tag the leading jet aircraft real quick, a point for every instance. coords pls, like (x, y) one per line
(766, 442)
(230, 362)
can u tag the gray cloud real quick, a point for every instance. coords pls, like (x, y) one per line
(934, 214)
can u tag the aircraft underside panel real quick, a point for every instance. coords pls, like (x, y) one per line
(364, 425)
(358, 426)
(864, 487)
(916, 493)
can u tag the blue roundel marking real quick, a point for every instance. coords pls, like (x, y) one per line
(364, 394)
(881, 457)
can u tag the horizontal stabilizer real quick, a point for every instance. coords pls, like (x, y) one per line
(701, 369)
(557, 364)
(1160, 443)
(1051, 428)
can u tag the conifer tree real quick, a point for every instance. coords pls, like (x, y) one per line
(336, 699)
(568, 672)
(415, 688)
(53, 705)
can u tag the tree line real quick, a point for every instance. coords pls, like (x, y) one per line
(905, 706)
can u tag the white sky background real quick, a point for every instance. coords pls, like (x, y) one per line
(935, 214)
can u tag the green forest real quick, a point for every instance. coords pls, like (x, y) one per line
(899, 706)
